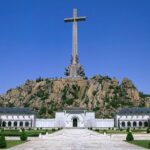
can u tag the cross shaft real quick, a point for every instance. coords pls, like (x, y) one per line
(75, 19)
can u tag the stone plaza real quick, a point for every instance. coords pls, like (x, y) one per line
(80, 139)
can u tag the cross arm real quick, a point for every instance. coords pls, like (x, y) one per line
(80, 19)
(74, 19)
(68, 20)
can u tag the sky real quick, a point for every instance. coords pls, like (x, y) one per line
(35, 41)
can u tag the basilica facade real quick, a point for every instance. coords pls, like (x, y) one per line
(75, 118)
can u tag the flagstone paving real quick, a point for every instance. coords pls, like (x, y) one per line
(79, 139)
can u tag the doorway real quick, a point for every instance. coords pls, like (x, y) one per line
(75, 122)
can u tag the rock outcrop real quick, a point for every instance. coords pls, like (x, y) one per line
(104, 95)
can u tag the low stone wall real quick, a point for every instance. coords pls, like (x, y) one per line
(45, 123)
(104, 123)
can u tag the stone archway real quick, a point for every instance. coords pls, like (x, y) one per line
(75, 122)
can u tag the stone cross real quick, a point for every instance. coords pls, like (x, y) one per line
(75, 19)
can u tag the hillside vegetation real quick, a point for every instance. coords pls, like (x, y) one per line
(101, 94)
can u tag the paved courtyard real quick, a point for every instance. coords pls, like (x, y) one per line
(79, 139)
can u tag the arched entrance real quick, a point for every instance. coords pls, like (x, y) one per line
(75, 122)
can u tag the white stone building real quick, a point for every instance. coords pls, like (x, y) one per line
(74, 117)
(133, 118)
(69, 118)
(17, 118)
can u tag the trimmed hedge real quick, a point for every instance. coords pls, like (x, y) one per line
(31, 133)
(53, 130)
(2, 142)
(148, 130)
(130, 137)
(23, 136)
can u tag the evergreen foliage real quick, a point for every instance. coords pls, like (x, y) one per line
(53, 130)
(128, 129)
(68, 101)
(148, 130)
(23, 136)
(46, 96)
(129, 137)
(149, 145)
(2, 142)
(42, 110)
(39, 79)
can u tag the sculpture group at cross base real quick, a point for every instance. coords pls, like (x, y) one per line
(78, 69)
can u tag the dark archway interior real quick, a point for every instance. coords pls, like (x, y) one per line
(75, 122)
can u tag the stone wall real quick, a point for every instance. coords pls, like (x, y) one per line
(45, 123)
(104, 123)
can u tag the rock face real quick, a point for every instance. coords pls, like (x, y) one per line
(100, 94)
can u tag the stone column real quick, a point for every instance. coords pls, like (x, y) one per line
(132, 124)
(137, 124)
(12, 124)
(18, 124)
(30, 124)
(6, 124)
(23, 124)
(126, 126)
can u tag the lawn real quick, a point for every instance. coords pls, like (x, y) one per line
(141, 143)
(12, 143)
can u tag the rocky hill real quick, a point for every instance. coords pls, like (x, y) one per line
(104, 95)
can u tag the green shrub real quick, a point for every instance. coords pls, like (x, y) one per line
(68, 101)
(128, 130)
(23, 136)
(121, 129)
(23, 129)
(130, 137)
(10, 133)
(149, 145)
(97, 130)
(148, 130)
(43, 110)
(39, 79)
(53, 130)
(2, 142)
(1, 129)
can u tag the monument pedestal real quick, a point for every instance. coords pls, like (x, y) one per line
(75, 71)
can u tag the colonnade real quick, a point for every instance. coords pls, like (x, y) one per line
(16, 124)
(132, 124)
